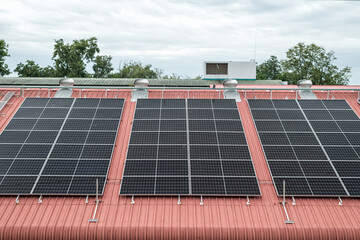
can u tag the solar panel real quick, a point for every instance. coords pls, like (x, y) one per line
(188, 147)
(59, 146)
(316, 152)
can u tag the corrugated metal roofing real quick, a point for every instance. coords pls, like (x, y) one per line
(122, 82)
(162, 217)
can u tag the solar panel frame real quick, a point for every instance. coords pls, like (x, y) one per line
(199, 112)
(305, 107)
(83, 181)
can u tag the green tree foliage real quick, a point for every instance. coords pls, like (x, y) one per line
(133, 69)
(102, 66)
(4, 69)
(270, 69)
(305, 62)
(314, 63)
(31, 69)
(69, 59)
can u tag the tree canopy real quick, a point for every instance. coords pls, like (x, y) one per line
(102, 66)
(69, 59)
(31, 69)
(4, 69)
(133, 69)
(305, 62)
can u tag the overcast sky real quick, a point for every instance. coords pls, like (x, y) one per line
(178, 36)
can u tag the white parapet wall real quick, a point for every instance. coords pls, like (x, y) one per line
(221, 70)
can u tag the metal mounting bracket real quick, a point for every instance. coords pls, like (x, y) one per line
(340, 202)
(293, 202)
(179, 202)
(87, 199)
(40, 199)
(132, 200)
(248, 200)
(201, 201)
(17, 199)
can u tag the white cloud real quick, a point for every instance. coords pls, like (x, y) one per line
(178, 35)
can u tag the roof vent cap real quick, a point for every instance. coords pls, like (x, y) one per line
(66, 82)
(230, 83)
(141, 83)
(305, 83)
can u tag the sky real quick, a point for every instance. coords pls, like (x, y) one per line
(178, 36)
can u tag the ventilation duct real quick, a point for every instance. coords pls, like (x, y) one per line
(140, 90)
(230, 91)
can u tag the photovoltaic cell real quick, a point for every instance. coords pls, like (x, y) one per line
(344, 115)
(347, 168)
(172, 185)
(296, 126)
(293, 186)
(35, 102)
(140, 167)
(317, 168)
(199, 103)
(53, 185)
(349, 126)
(172, 138)
(336, 104)
(86, 103)
(86, 185)
(54, 113)
(311, 104)
(260, 103)
(146, 125)
(137, 185)
(60, 102)
(285, 168)
(289, 104)
(208, 185)
(352, 185)
(241, 186)
(14, 136)
(326, 186)
(111, 103)
(28, 113)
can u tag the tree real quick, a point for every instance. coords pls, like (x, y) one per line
(4, 69)
(134, 69)
(270, 69)
(314, 63)
(102, 66)
(48, 71)
(29, 69)
(70, 58)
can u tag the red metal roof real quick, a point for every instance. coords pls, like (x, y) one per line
(162, 217)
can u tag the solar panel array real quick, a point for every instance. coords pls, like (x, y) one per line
(59, 146)
(314, 145)
(188, 147)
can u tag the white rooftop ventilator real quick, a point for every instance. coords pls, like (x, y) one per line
(65, 92)
(140, 90)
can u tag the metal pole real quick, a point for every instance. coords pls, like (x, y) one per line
(93, 219)
(284, 192)
(287, 221)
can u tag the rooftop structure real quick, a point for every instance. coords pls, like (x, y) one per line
(120, 216)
